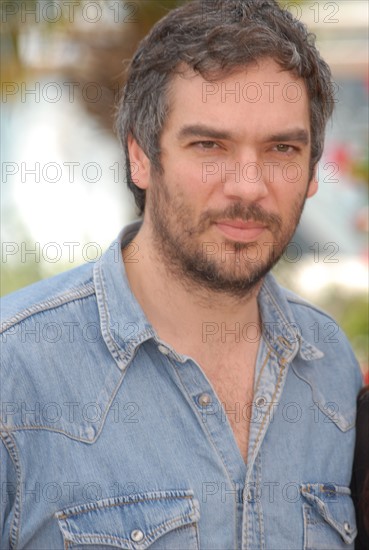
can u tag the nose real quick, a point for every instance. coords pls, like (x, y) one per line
(244, 179)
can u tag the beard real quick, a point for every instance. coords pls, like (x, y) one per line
(229, 267)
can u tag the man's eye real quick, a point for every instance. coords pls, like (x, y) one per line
(206, 144)
(283, 148)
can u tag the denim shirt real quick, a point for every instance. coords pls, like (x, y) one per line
(112, 439)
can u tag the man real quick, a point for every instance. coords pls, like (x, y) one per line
(174, 396)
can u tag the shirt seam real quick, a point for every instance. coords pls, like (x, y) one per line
(282, 367)
(104, 314)
(65, 516)
(53, 303)
(11, 447)
(158, 529)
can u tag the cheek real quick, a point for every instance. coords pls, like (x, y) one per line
(291, 182)
(288, 200)
(190, 179)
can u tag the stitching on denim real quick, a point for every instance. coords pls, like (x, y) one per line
(272, 349)
(102, 303)
(197, 414)
(113, 393)
(290, 297)
(248, 528)
(282, 367)
(283, 317)
(11, 447)
(322, 513)
(114, 504)
(173, 521)
(197, 534)
(104, 312)
(305, 514)
(194, 531)
(131, 349)
(268, 354)
(93, 536)
(73, 295)
(49, 429)
(258, 463)
(275, 303)
(339, 419)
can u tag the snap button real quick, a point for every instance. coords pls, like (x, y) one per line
(260, 401)
(137, 535)
(204, 399)
(347, 527)
(163, 349)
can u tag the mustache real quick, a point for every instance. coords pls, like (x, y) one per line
(239, 211)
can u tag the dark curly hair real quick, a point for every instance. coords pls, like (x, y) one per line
(215, 38)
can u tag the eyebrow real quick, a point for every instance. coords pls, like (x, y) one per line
(201, 130)
(297, 134)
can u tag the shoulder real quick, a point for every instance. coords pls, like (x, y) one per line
(40, 328)
(304, 308)
(326, 361)
(315, 324)
(308, 318)
(46, 296)
(53, 352)
(323, 343)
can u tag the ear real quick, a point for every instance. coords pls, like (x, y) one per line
(313, 183)
(140, 164)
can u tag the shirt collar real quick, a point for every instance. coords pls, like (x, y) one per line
(281, 330)
(124, 325)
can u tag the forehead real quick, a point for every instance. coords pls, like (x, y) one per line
(259, 97)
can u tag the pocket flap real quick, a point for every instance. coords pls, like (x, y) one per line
(334, 504)
(130, 522)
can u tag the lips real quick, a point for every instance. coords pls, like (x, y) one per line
(240, 230)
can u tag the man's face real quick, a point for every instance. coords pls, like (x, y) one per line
(235, 159)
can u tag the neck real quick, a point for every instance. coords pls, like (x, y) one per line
(183, 313)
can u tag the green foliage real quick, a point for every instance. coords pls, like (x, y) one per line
(16, 276)
(351, 311)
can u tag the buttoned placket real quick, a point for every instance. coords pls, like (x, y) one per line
(244, 480)
(270, 375)
(214, 422)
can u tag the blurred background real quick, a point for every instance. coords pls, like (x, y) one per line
(63, 189)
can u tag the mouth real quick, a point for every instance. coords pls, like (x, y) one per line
(240, 230)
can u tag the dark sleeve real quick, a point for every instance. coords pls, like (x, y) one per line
(360, 474)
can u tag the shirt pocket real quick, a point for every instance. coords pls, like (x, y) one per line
(163, 519)
(329, 517)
